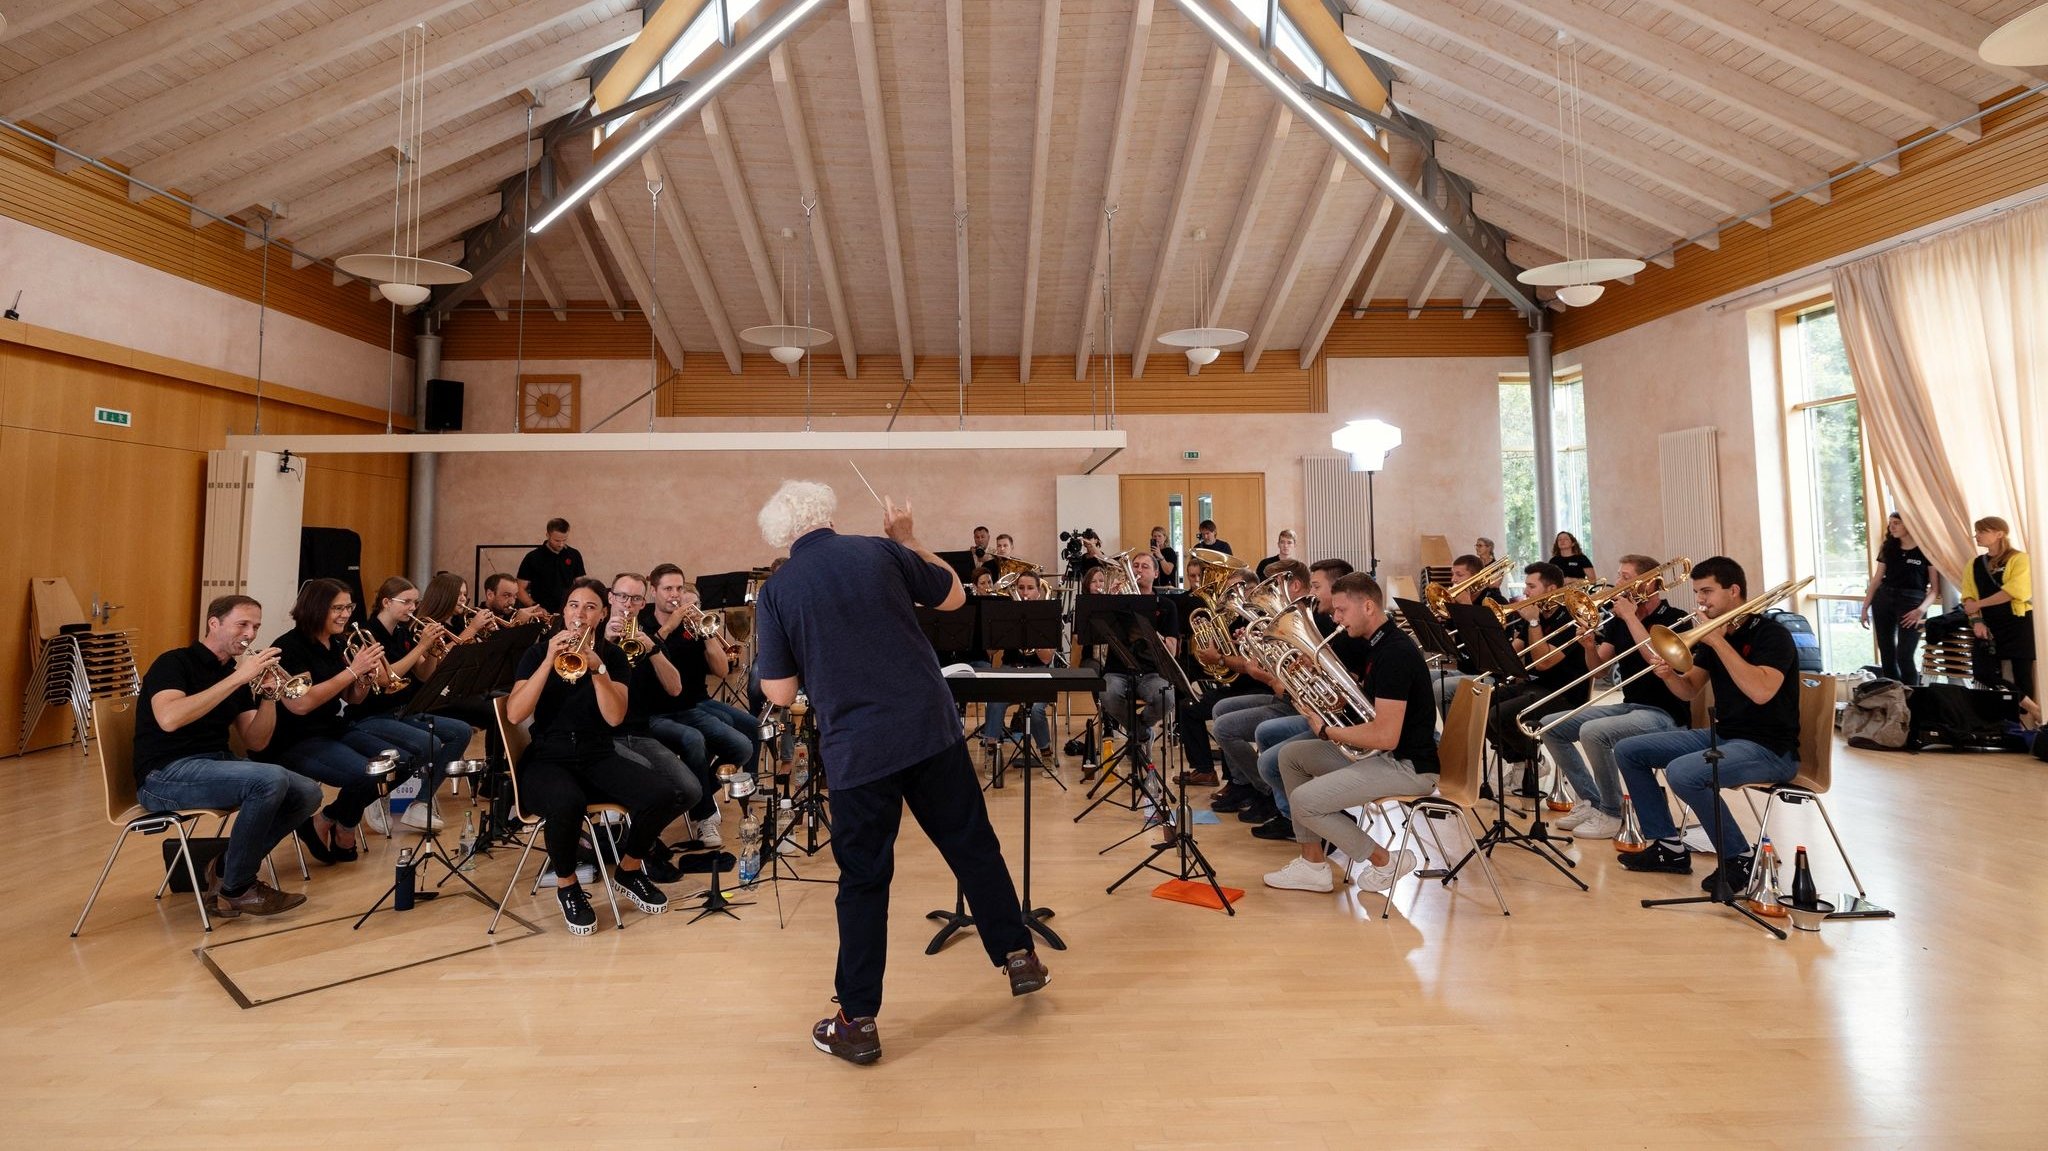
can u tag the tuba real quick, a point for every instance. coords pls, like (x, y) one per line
(576, 662)
(1440, 597)
(1314, 676)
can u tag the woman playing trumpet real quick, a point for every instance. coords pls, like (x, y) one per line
(412, 653)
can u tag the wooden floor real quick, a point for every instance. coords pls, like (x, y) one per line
(1582, 1020)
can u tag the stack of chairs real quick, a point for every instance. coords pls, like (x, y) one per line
(73, 665)
(1947, 652)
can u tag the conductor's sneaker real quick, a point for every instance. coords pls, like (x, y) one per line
(1378, 878)
(1277, 828)
(258, 899)
(1301, 875)
(853, 1040)
(1658, 857)
(1581, 811)
(576, 909)
(377, 819)
(1026, 971)
(1598, 825)
(636, 886)
(416, 817)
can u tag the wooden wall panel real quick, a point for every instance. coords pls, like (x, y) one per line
(478, 334)
(1936, 180)
(1492, 331)
(119, 512)
(91, 207)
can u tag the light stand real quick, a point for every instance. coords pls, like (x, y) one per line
(1722, 894)
(1367, 442)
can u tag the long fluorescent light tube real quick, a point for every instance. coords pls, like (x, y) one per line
(1286, 90)
(761, 41)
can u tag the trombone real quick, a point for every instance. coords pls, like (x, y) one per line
(1602, 596)
(1440, 597)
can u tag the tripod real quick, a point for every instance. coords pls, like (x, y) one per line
(409, 864)
(1723, 894)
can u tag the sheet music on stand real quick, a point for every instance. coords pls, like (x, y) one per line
(475, 670)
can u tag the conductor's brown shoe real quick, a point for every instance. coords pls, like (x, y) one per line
(1027, 973)
(853, 1040)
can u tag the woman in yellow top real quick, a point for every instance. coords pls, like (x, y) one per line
(1998, 595)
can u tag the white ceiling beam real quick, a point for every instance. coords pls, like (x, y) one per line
(677, 223)
(1525, 218)
(1928, 105)
(1475, 134)
(1272, 142)
(1041, 164)
(494, 294)
(444, 53)
(438, 228)
(350, 233)
(1944, 27)
(311, 165)
(1477, 296)
(119, 56)
(1371, 238)
(610, 226)
(1526, 253)
(1432, 274)
(956, 123)
(725, 158)
(544, 279)
(782, 72)
(1699, 132)
(1793, 114)
(257, 72)
(1541, 195)
(1379, 265)
(1112, 180)
(1192, 161)
(1327, 178)
(1510, 99)
(20, 23)
(580, 230)
(861, 19)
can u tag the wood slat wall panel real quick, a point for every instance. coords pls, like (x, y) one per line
(93, 208)
(1492, 331)
(1936, 180)
(477, 334)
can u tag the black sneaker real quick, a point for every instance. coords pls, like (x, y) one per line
(1230, 798)
(1277, 828)
(1260, 809)
(576, 909)
(661, 870)
(1738, 875)
(636, 886)
(1658, 857)
(853, 1040)
(1027, 973)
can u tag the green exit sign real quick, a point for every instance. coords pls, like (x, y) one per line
(114, 416)
(1191, 455)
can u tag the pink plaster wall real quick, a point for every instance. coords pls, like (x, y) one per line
(630, 510)
(76, 288)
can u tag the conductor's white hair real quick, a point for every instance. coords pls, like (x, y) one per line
(798, 506)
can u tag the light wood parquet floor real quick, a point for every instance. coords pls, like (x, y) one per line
(1582, 1020)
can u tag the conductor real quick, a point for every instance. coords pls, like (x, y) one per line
(839, 618)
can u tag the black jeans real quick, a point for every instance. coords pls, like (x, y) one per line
(557, 782)
(1897, 644)
(944, 796)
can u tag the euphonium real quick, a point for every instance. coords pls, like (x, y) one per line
(1314, 676)
(1440, 597)
(1212, 643)
(575, 663)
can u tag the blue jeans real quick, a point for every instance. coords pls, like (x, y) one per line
(1271, 735)
(1599, 729)
(688, 745)
(1236, 722)
(1681, 755)
(730, 734)
(431, 741)
(269, 802)
(1041, 730)
(338, 762)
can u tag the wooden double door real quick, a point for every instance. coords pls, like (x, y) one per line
(1235, 500)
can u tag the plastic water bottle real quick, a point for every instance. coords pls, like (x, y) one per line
(750, 851)
(402, 892)
(466, 846)
(800, 775)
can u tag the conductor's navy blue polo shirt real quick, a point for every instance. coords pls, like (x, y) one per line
(839, 616)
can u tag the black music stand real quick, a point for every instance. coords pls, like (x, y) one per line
(1491, 653)
(1028, 625)
(478, 671)
(955, 631)
(1111, 620)
(725, 592)
(962, 563)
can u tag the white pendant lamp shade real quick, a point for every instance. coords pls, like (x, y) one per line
(2021, 42)
(1579, 295)
(1202, 357)
(1203, 343)
(786, 342)
(401, 276)
(1576, 277)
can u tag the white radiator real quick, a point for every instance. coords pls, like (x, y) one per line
(1336, 521)
(253, 513)
(1689, 463)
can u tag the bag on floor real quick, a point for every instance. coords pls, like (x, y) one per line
(205, 849)
(1878, 715)
(1963, 718)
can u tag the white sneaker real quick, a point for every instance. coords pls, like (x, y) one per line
(1340, 862)
(376, 819)
(1599, 825)
(416, 817)
(1301, 875)
(707, 833)
(1372, 878)
(585, 873)
(1581, 811)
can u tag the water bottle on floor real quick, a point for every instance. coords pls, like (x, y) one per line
(750, 851)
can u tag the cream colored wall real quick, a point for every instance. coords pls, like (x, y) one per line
(630, 510)
(76, 288)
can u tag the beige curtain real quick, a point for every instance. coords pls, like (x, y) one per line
(1948, 345)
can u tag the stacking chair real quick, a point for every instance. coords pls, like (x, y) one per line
(516, 740)
(1816, 766)
(1458, 755)
(113, 744)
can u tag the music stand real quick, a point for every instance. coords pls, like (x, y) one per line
(1111, 620)
(952, 631)
(724, 590)
(1491, 653)
(1026, 625)
(962, 563)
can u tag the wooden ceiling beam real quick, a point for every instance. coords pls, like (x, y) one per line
(1476, 296)
(494, 295)
(1943, 27)
(1432, 274)
(1370, 244)
(725, 157)
(21, 23)
(580, 230)
(350, 233)
(1327, 178)
(695, 266)
(130, 52)
(1536, 225)
(861, 19)
(544, 279)
(782, 72)
(1112, 180)
(440, 227)
(611, 227)
(1041, 164)
(1272, 142)
(1192, 158)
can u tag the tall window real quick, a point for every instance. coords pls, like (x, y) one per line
(1518, 468)
(1829, 516)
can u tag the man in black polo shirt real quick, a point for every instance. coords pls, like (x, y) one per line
(1121, 680)
(182, 761)
(548, 570)
(1322, 781)
(1555, 653)
(840, 619)
(1754, 667)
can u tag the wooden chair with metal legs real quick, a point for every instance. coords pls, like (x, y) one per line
(1458, 755)
(1816, 767)
(113, 745)
(516, 740)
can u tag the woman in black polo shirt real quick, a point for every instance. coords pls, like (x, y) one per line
(429, 739)
(573, 762)
(1571, 559)
(1898, 595)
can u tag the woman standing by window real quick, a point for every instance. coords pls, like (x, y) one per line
(1571, 559)
(1897, 597)
(1998, 596)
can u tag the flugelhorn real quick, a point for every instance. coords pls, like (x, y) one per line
(575, 663)
(382, 678)
(274, 683)
(1439, 598)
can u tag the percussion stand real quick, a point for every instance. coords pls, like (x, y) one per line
(430, 848)
(1723, 894)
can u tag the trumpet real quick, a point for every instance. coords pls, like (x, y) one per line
(699, 624)
(274, 683)
(1439, 598)
(382, 678)
(576, 662)
(442, 644)
(629, 639)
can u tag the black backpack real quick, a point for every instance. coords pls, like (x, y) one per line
(1803, 638)
(1964, 718)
